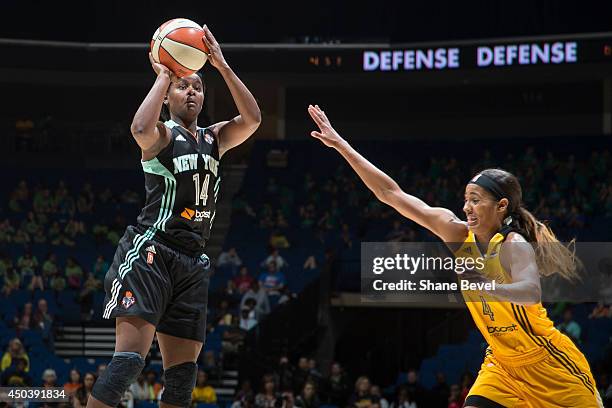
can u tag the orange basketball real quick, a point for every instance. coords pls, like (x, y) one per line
(178, 45)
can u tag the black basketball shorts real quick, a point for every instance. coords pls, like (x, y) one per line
(165, 287)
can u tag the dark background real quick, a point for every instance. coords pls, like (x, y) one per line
(304, 21)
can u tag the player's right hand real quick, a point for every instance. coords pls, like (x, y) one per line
(327, 134)
(160, 68)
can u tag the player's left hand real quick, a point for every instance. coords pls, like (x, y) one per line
(215, 55)
(326, 134)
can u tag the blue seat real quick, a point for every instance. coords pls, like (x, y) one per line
(20, 297)
(31, 338)
(145, 404)
(204, 405)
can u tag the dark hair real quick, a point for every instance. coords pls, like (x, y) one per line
(164, 114)
(552, 257)
(81, 393)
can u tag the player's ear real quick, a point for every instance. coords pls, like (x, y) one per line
(502, 205)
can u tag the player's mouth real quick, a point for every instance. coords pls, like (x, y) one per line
(471, 220)
(191, 103)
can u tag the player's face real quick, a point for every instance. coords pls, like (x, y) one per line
(481, 210)
(186, 97)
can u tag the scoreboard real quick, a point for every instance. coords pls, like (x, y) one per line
(386, 59)
(482, 55)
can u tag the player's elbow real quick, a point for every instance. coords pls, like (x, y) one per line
(138, 129)
(388, 194)
(254, 120)
(534, 294)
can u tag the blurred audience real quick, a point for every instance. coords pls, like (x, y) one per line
(82, 393)
(15, 351)
(16, 375)
(74, 382)
(308, 398)
(362, 396)
(203, 392)
(267, 398)
(569, 326)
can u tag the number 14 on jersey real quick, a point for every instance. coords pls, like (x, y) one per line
(201, 193)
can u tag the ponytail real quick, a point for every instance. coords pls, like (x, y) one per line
(551, 255)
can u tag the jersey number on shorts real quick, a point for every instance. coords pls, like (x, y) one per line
(201, 194)
(486, 309)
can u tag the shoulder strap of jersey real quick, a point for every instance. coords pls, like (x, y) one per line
(171, 124)
(505, 230)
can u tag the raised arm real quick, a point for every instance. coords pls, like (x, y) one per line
(150, 135)
(440, 221)
(235, 131)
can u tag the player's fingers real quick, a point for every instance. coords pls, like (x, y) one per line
(321, 116)
(322, 113)
(209, 35)
(316, 134)
(319, 111)
(315, 117)
(207, 42)
(151, 60)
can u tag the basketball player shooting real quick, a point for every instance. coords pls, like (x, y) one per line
(158, 281)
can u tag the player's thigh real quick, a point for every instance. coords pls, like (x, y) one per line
(564, 378)
(134, 334)
(177, 350)
(494, 388)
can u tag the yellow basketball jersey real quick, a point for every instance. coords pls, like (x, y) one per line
(515, 334)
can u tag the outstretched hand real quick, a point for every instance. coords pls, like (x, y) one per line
(215, 55)
(326, 134)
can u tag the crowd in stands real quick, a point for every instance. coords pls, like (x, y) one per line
(324, 209)
(304, 386)
(16, 372)
(43, 214)
(243, 301)
(561, 189)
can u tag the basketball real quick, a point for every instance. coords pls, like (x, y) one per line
(178, 45)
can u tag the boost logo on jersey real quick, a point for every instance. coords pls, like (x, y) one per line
(501, 330)
(195, 215)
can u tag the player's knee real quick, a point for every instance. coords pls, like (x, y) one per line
(120, 373)
(179, 381)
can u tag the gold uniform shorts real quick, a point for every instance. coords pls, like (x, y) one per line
(562, 378)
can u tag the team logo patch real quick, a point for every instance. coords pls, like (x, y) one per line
(150, 253)
(180, 138)
(128, 300)
(209, 139)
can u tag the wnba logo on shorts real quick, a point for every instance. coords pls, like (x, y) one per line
(128, 300)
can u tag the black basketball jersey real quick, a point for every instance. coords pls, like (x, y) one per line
(182, 185)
